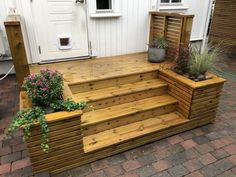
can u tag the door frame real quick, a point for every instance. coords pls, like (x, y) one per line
(25, 10)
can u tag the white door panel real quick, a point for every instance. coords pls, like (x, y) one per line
(57, 19)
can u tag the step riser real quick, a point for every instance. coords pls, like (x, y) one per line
(125, 120)
(120, 99)
(109, 82)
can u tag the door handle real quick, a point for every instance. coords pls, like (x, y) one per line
(79, 1)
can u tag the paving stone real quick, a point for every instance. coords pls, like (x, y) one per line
(131, 165)
(195, 174)
(193, 165)
(191, 153)
(187, 135)
(162, 174)
(20, 164)
(204, 148)
(5, 150)
(146, 171)
(223, 165)
(97, 174)
(5, 168)
(116, 159)
(112, 171)
(11, 157)
(207, 159)
(175, 149)
(27, 171)
(210, 171)
(161, 154)
(232, 158)
(177, 159)
(100, 164)
(220, 154)
(161, 165)
(83, 170)
(230, 149)
(175, 139)
(227, 174)
(130, 174)
(44, 174)
(178, 171)
(188, 144)
(201, 139)
(146, 159)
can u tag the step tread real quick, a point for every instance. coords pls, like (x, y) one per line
(94, 95)
(109, 113)
(131, 131)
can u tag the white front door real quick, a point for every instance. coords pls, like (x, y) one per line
(61, 29)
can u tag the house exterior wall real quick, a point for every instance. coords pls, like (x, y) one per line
(125, 34)
(120, 35)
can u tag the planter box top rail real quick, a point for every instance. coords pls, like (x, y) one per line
(170, 14)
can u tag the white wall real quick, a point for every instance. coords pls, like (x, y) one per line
(120, 35)
(3, 40)
(197, 7)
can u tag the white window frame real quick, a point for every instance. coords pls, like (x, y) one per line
(105, 10)
(171, 3)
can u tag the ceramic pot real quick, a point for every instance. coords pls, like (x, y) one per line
(156, 55)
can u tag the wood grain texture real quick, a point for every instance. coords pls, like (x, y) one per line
(17, 47)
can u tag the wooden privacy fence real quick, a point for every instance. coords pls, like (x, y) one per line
(175, 28)
(223, 28)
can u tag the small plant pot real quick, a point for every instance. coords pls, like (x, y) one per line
(156, 55)
(48, 110)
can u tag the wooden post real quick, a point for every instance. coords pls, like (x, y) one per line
(17, 47)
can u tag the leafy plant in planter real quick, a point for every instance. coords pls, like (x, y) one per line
(201, 63)
(182, 60)
(45, 91)
(156, 50)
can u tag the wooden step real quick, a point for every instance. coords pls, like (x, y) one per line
(131, 131)
(112, 81)
(120, 94)
(118, 115)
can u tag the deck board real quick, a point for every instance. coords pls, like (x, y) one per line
(100, 68)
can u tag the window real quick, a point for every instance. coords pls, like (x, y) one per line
(104, 4)
(170, 1)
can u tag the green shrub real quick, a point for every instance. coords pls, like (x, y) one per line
(159, 43)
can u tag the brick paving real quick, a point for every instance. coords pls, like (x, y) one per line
(207, 151)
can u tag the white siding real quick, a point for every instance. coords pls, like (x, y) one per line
(3, 40)
(121, 35)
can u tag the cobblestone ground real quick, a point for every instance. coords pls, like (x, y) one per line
(207, 151)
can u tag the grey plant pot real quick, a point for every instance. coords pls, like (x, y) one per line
(156, 55)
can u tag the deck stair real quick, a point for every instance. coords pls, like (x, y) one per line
(125, 108)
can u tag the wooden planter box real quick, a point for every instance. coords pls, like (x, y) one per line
(197, 100)
(65, 137)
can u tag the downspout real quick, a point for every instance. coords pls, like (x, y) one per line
(206, 25)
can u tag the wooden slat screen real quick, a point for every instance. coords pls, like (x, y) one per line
(176, 28)
(223, 28)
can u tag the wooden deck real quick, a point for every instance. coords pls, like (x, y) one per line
(100, 68)
(135, 102)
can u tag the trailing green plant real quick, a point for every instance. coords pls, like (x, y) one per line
(43, 88)
(159, 42)
(26, 119)
(183, 59)
(68, 105)
(202, 62)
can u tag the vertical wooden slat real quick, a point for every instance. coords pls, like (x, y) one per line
(17, 47)
(176, 28)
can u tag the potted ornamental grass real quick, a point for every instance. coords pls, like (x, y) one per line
(157, 50)
(194, 64)
(44, 91)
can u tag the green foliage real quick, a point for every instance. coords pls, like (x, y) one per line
(183, 59)
(44, 90)
(68, 105)
(44, 87)
(27, 118)
(201, 63)
(159, 43)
